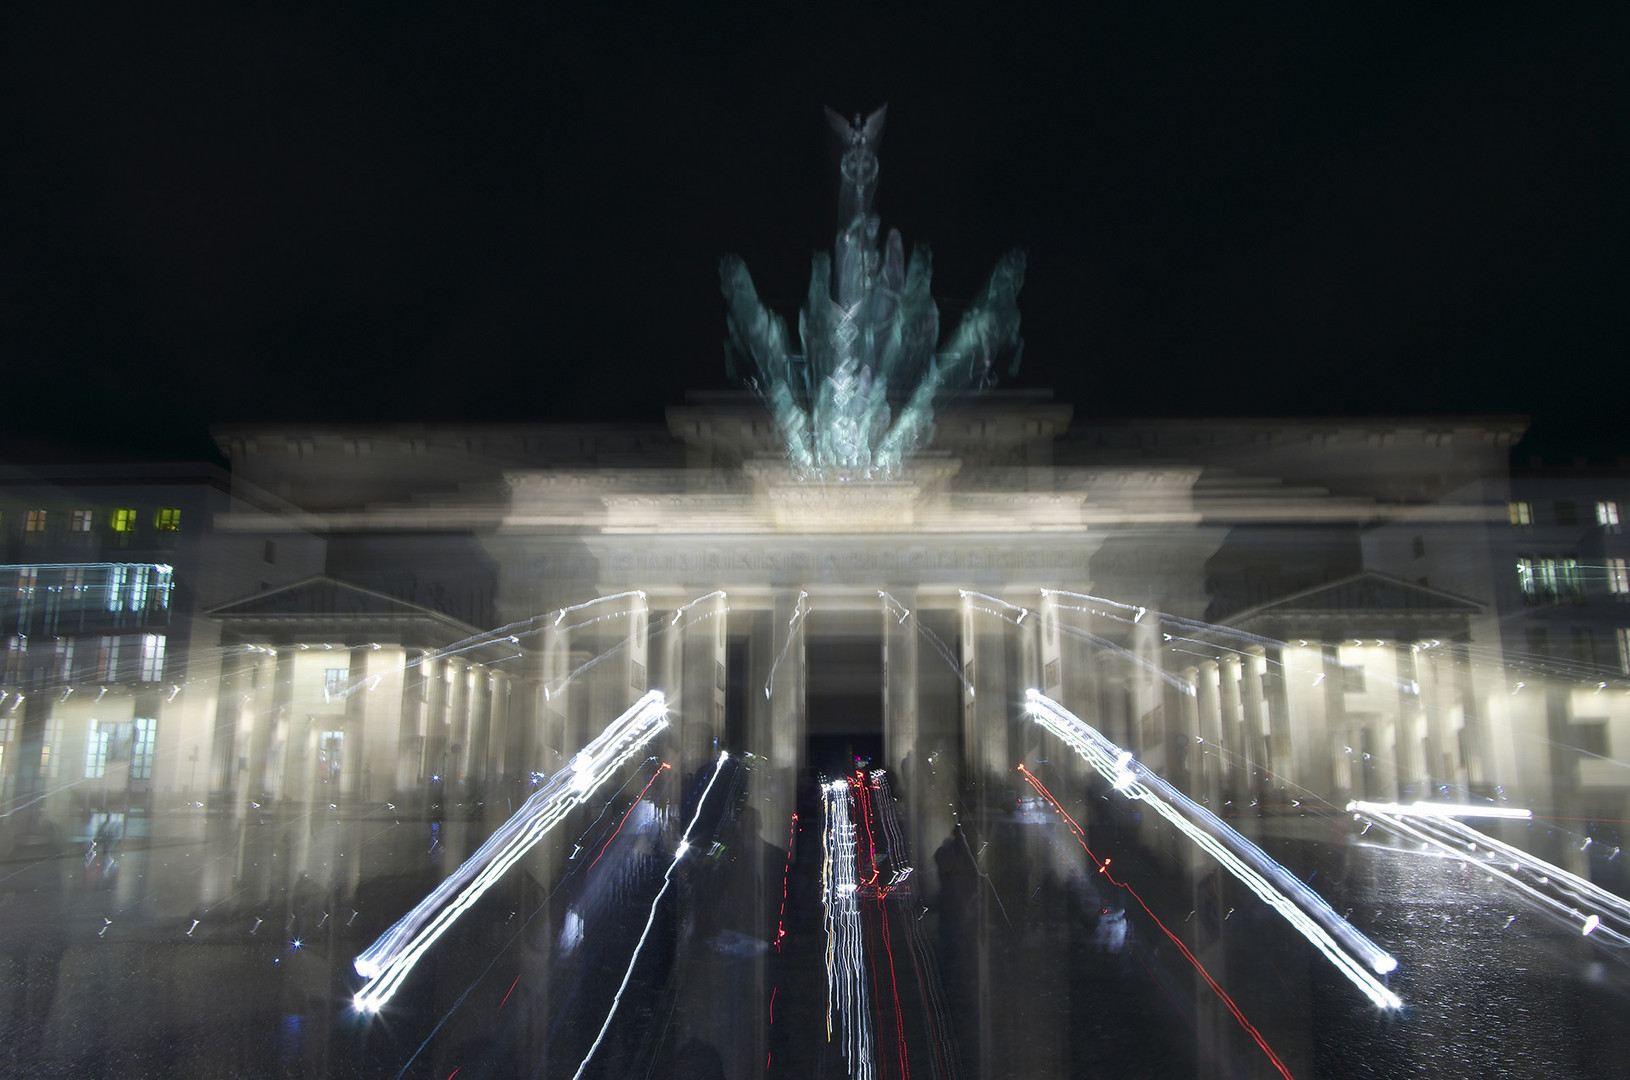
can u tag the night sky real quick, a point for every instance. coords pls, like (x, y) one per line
(383, 213)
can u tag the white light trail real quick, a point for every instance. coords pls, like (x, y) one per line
(1550, 885)
(387, 961)
(800, 609)
(667, 878)
(845, 962)
(1421, 808)
(1247, 862)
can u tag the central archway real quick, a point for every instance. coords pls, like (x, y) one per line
(844, 690)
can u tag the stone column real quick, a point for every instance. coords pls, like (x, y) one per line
(900, 681)
(1237, 775)
(302, 753)
(903, 752)
(282, 728)
(1213, 760)
(1302, 683)
(701, 703)
(1052, 648)
(479, 753)
(1187, 769)
(1277, 729)
(1345, 743)
(436, 693)
(1254, 723)
(785, 679)
(1438, 705)
(501, 729)
(984, 693)
(410, 725)
(549, 753)
(634, 665)
(1414, 766)
(223, 771)
(355, 726)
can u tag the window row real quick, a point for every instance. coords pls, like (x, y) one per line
(1548, 580)
(108, 658)
(121, 520)
(1520, 512)
(117, 588)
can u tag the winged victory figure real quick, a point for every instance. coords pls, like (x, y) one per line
(869, 336)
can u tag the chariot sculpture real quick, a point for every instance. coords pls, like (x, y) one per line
(855, 396)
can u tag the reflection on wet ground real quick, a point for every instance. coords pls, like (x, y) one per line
(897, 925)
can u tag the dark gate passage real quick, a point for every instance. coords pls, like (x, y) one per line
(845, 693)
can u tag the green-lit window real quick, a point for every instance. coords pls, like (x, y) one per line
(34, 522)
(1550, 580)
(123, 520)
(167, 519)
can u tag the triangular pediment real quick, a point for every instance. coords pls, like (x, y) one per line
(319, 596)
(1368, 593)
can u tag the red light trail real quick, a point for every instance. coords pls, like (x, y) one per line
(1103, 868)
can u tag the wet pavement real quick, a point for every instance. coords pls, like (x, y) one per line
(192, 945)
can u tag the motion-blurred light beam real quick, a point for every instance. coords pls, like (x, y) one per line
(1247, 862)
(1421, 808)
(845, 960)
(667, 879)
(387, 961)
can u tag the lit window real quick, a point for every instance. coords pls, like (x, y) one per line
(65, 658)
(16, 655)
(1548, 580)
(1618, 578)
(118, 580)
(1623, 634)
(141, 751)
(330, 754)
(123, 520)
(1607, 515)
(167, 519)
(152, 657)
(27, 578)
(82, 521)
(48, 762)
(34, 522)
(96, 750)
(107, 658)
(138, 588)
(73, 581)
(1520, 513)
(1570, 581)
(334, 680)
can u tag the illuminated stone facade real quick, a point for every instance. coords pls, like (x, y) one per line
(1247, 606)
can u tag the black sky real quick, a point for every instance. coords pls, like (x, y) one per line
(379, 213)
